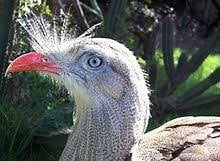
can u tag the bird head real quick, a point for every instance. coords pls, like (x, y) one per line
(92, 69)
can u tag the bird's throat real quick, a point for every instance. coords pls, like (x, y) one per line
(105, 132)
(98, 136)
(106, 129)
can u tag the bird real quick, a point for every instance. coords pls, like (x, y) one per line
(112, 101)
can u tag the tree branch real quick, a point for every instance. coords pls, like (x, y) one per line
(211, 80)
(81, 13)
(201, 102)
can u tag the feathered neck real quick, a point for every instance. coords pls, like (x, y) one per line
(108, 131)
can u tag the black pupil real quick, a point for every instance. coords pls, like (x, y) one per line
(94, 61)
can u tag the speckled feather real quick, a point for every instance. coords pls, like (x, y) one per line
(182, 139)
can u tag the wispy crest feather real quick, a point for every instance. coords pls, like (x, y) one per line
(45, 37)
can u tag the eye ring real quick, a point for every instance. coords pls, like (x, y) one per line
(95, 62)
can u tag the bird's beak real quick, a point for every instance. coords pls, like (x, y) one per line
(33, 61)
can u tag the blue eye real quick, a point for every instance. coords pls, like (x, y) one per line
(95, 62)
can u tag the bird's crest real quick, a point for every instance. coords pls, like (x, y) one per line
(47, 37)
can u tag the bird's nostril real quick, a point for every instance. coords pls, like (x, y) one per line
(44, 59)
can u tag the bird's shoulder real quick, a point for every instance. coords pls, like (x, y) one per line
(182, 139)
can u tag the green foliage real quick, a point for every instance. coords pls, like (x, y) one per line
(211, 63)
(39, 5)
(204, 102)
(167, 46)
(113, 17)
(10, 132)
(40, 112)
(18, 137)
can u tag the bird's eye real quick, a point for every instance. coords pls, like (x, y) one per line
(95, 62)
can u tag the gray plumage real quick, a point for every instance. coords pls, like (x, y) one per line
(112, 103)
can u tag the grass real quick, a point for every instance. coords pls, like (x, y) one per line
(17, 137)
(14, 133)
(19, 120)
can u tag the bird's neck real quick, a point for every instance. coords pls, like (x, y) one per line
(107, 131)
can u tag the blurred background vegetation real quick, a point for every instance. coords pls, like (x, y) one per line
(176, 42)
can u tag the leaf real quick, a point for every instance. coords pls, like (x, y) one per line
(167, 47)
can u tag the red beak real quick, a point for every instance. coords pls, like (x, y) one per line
(33, 61)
